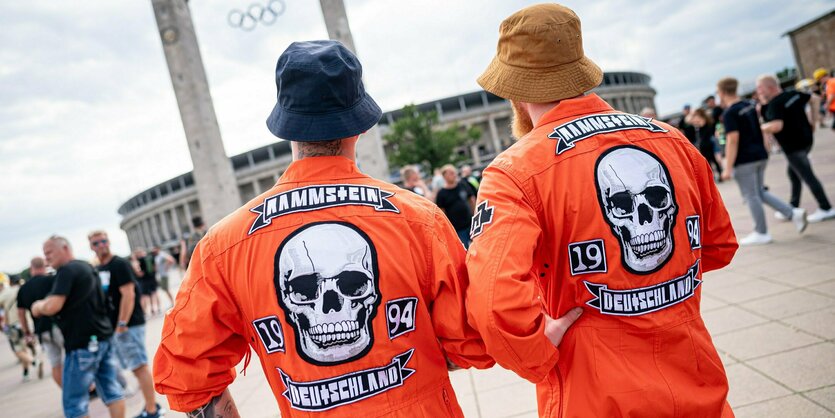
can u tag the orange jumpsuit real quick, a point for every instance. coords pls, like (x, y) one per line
(619, 215)
(350, 290)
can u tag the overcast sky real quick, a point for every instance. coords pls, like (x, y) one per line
(88, 117)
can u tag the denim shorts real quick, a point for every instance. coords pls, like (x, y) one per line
(81, 368)
(53, 345)
(130, 347)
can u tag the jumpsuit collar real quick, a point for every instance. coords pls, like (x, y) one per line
(313, 169)
(583, 105)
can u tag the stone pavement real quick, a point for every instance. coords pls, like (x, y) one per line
(771, 314)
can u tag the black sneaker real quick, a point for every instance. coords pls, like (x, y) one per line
(160, 413)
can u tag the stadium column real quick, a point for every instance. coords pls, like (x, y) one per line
(370, 155)
(217, 190)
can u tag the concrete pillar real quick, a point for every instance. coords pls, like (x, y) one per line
(213, 175)
(370, 155)
(146, 235)
(175, 219)
(166, 231)
(189, 216)
(494, 134)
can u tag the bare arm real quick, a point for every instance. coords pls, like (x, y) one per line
(24, 324)
(813, 113)
(183, 254)
(731, 149)
(49, 306)
(128, 291)
(773, 127)
(221, 406)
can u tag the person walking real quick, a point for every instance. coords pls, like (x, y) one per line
(457, 200)
(746, 159)
(349, 289)
(164, 262)
(786, 118)
(48, 335)
(126, 316)
(590, 240)
(705, 139)
(78, 302)
(10, 321)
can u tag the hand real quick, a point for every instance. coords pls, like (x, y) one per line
(727, 173)
(29, 339)
(36, 309)
(555, 328)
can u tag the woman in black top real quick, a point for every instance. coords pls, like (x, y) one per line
(705, 137)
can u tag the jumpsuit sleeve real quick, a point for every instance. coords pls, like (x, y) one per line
(461, 343)
(202, 337)
(504, 299)
(718, 238)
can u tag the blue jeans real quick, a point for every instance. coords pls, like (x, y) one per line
(81, 368)
(130, 347)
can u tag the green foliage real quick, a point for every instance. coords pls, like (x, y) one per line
(416, 139)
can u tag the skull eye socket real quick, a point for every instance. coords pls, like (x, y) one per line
(353, 284)
(304, 289)
(658, 197)
(621, 203)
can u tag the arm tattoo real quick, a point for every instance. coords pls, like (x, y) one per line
(319, 149)
(221, 406)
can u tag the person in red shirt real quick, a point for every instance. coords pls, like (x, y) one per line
(349, 289)
(603, 220)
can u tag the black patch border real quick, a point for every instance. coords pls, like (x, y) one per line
(699, 225)
(282, 347)
(287, 314)
(603, 253)
(612, 226)
(414, 315)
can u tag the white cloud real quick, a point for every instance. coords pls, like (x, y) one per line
(89, 117)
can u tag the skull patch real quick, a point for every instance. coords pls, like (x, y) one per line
(327, 283)
(638, 201)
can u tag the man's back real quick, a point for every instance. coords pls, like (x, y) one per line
(619, 215)
(790, 107)
(332, 277)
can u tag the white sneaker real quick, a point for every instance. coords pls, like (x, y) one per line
(821, 215)
(755, 238)
(799, 219)
(780, 217)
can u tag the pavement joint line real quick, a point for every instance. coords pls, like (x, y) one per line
(773, 320)
(793, 391)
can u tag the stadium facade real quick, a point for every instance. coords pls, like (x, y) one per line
(162, 214)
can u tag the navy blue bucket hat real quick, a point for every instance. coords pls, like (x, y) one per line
(320, 94)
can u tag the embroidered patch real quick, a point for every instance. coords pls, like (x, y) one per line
(694, 231)
(327, 282)
(637, 199)
(269, 330)
(588, 126)
(587, 257)
(400, 316)
(634, 302)
(483, 216)
(309, 198)
(321, 395)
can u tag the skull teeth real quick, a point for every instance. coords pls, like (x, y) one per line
(648, 243)
(336, 328)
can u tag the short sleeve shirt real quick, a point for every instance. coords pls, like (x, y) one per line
(34, 289)
(84, 313)
(790, 107)
(113, 275)
(742, 117)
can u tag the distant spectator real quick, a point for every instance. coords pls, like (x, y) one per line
(10, 319)
(469, 178)
(49, 336)
(714, 110)
(412, 181)
(705, 139)
(457, 200)
(649, 112)
(786, 119)
(163, 263)
(147, 281)
(746, 159)
(78, 301)
(188, 245)
(685, 127)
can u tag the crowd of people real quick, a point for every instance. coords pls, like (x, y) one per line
(87, 318)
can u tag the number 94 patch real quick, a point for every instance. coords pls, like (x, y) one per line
(400, 316)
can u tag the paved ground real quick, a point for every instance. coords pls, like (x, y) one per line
(771, 313)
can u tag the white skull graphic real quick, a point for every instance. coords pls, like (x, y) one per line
(637, 198)
(326, 280)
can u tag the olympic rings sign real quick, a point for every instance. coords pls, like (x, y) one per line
(256, 13)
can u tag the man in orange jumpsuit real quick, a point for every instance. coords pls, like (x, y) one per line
(598, 212)
(349, 289)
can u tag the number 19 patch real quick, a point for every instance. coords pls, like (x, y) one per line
(400, 316)
(269, 330)
(587, 257)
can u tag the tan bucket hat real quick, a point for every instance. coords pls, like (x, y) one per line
(539, 57)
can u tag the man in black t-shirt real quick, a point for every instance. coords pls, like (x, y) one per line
(457, 201)
(38, 287)
(685, 127)
(78, 303)
(786, 119)
(125, 312)
(746, 159)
